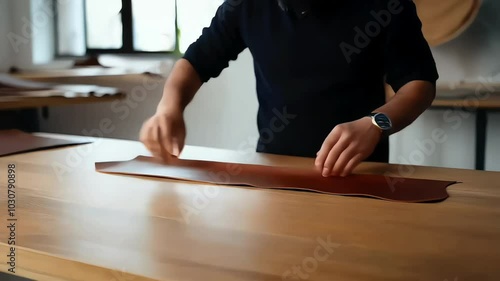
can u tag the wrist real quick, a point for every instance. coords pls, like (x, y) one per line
(165, 107)
(172, 101)
(373, 129)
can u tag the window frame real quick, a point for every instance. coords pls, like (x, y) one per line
(127, 34)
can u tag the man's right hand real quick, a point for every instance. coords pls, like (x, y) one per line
(164, 133)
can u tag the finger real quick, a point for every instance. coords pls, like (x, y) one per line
(153, 148)
(156, 153)
(156, 147)
(142, 133)
(146, 137)
(181, 138)
(178, 143)
(165, 142)
(353, 163)
(343, 160)
(326, 147)
(176, 151)
(333, 156)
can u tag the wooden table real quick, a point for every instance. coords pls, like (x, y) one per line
(78, 224)
(37, 102)
(81, 72)
(492, 103)
(73, 76)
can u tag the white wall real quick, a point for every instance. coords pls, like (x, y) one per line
(5, 26)
(26, 32)
(20, 35)
(472, 56)
(122, 119)
(224, 113)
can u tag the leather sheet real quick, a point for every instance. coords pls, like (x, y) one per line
(15, 142)
(376, 186)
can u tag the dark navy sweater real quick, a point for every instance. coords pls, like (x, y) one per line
(319, 71)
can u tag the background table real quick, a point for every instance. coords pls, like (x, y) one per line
(74, 76)
(77, 224)
(9, 103)
(97, 76)
(29, 102)
(481, 108)
(477, 97)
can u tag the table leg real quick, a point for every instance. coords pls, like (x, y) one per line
(481, 124)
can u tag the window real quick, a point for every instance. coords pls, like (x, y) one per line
(104, 24)
(193, 16)
(130, 26)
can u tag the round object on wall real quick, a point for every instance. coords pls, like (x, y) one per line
(444, 20)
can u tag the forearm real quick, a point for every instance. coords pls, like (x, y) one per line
(408, 104)
(182, 85)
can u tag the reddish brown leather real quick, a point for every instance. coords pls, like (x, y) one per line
(15, 141)
(377, 186)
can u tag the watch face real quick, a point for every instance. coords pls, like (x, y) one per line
(383, 121)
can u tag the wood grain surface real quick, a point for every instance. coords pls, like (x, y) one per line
(77, 224)
(471, 103)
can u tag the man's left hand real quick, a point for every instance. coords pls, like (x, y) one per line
(346, 146)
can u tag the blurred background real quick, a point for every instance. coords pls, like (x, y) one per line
(132, 45)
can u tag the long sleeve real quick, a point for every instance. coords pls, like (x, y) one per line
(219, 43)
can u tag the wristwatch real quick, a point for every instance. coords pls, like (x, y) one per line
(383, 122)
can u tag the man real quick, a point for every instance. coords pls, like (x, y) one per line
(320, 66)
